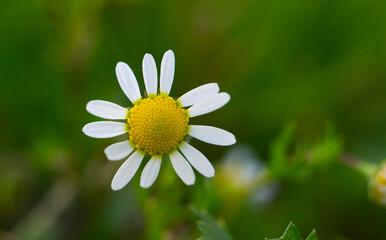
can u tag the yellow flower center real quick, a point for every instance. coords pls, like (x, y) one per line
(381, 176)
(157, 125)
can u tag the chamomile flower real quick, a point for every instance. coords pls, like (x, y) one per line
(378, 186)
(158, 125)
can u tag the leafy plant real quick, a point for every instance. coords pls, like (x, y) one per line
(292, 233)
(289, 160)
(210, 228)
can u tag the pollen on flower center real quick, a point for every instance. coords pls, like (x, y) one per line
(157, 125)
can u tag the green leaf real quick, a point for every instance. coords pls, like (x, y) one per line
(327, 149)
(312, 236)
(292, 233)
(210, 228)
(297, 160)
(279, 149)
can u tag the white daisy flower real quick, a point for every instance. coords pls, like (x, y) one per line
(157, 125)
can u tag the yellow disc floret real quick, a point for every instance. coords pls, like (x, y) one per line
(157, 125)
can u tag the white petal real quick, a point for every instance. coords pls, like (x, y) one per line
(150, 74)
(118, 151)
(197, 159)
(212, 135)
(106, 110)
(182, 168)
(150, 172)
(104, 129)
(209, 104)
(126, 172)
(167, 72)
(128, 82)
(198, 94)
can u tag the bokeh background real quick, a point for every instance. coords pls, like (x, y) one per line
(304, 74)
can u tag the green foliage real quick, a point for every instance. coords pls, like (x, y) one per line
(312, 236)
(279, 149)
(292, 233)
(304, 158)
(210, 228)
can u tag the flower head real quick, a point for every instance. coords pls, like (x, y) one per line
(241, 169)
(158, 125)
(378, 186)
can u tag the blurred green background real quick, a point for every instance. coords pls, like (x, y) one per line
(317, 65)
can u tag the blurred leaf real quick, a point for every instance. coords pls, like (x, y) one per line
(278, 150)
(326, 150)
(312, 236)
(292, 233)
(305, 158)
(209, 227)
